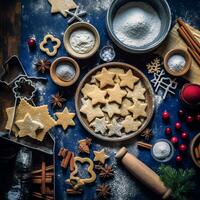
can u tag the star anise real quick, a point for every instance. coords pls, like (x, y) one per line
(147, 134)
(106, 172)
(103, 191)
(43, 65)
(57, 100)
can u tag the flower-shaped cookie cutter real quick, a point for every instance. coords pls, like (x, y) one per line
(82, 181)
(55, 47)
(24, 88)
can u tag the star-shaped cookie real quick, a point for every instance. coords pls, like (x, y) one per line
(100, 156)
(38, 113)
(87, 89)
(97, 95)
(65, 118)
(130, 125)
(28, 127)
(60, 6)
(105, 78)
(91, 111)
(138, 109)
(128, 79)
(111, 109)
(124, 107)
(99, 125)
(116, 94)
(114, 128)
(137, 93)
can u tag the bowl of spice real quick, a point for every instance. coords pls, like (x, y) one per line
(195, 150)
(81, 40)
(64, 71)
(138, 26)
(177, 62)
(162, 150)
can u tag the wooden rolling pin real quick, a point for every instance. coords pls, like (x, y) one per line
(143, 173)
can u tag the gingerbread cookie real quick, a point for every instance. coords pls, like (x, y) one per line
(116, 94)
(124, 107)
(65, 118)
(114, 128)
(111, 109)
(55, 47)
(100, 156)
(105, 78)
(87, 89)
(99, 125)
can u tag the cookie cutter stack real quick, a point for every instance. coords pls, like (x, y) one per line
(15, 84)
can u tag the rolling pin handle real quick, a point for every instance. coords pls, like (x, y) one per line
(121, 153)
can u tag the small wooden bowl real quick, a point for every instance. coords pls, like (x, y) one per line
(187, 57)
(58, 80)
(76, 26)
(195, 141)
(149, 98)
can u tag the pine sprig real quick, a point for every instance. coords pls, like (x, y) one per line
(179, 180)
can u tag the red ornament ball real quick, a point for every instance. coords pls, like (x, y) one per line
(184, 135)
(165, 116)
(189, 119)
(179, 158)
(182, 147)
(168, 131)
(178, 125)
(181, 113)
(197, 118)
(31, 43)
(174, 140)
(190, 94)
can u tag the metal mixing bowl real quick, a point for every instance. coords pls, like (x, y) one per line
(164, 13)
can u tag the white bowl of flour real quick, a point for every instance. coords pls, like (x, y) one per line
(138, 26)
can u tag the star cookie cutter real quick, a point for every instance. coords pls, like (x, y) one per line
(55, 47)
(81, 181)
(24, 88)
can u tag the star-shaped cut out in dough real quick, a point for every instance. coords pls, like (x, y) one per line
(65, 118)
(100, 156)
(60, 6)
(124, 107)
(28, 127)
(105, 78)
(130, 125)
(99, 125)
(97, 95)
(111, 109)
(114, 128)
(116, 94)
(91, 111)
(137, 93)
(138, 109)
(38, 113)
(87, 89)
(128, 79)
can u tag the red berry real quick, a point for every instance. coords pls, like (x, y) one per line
(31, 43)
(197, 118)
(179, 158)
(165, 116)
(181, 113)
(174, 140)
(182, 148)
(184, 135)
(168, 131)
(189, 119)
(178, 125)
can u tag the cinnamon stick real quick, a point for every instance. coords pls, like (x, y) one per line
(195, 47)
(39, 177)
(71, 164)
(40, 196)
(49, 168)
(65, 161)
(72, 191)
(183, 24)
(43, 186)
(60, 152)
(39, 180)
(144, 145)
(194, 55)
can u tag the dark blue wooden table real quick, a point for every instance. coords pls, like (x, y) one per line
(37, 21)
